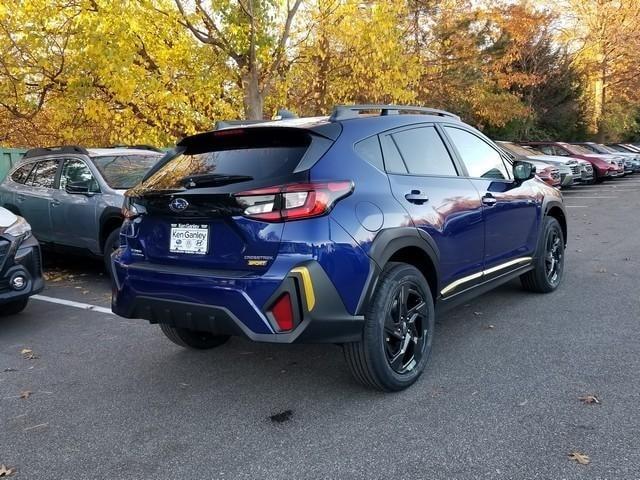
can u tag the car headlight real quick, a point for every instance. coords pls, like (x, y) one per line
(20, 228)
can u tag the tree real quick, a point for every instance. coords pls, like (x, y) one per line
(253, 34)
(605, 35)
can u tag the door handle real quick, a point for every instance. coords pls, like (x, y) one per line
(489, 199)
(21, 198)
(417, 197)
(55, 203)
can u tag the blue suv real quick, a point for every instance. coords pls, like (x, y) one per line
(352, 229)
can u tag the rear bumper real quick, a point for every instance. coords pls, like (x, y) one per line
(237, 305)
(24, 260)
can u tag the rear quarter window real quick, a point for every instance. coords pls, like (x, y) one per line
(21, 173)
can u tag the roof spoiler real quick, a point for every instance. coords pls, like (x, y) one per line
(281, 114)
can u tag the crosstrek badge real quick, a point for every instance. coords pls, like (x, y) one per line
(257, 261)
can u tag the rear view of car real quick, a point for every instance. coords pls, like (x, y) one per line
(20, 263)
(213, 218)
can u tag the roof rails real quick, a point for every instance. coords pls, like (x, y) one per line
(37, 152)
(281, 114)
(345, 112)
(138, 147)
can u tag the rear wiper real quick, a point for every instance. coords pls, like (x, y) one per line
(212, 179)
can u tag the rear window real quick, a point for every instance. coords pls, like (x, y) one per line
(122, 172)
(256, 155)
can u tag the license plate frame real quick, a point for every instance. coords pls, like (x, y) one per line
(189, 238)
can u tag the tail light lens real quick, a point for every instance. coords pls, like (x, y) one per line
(293, 202)
(129, 210)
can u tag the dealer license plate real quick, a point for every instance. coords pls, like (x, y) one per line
(189, 239)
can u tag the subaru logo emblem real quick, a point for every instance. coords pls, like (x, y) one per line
(178, 204)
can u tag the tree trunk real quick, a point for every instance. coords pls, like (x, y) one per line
(253, 98)
(602, 134)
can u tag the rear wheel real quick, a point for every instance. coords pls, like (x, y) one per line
(549, 266)
(193, 339)
(16, 306)
(398, 331)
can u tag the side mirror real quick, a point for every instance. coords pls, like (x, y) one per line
(523, 171)
(81, 188)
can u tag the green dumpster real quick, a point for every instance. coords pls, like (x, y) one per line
(8, 158)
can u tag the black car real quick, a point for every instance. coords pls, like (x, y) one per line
(20, 263)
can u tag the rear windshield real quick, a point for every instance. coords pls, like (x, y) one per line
(122, 172)
(219, 155)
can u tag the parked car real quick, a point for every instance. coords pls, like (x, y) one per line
(586, 172)
(20, 263)
(568, 167)
(350, 229)
(604, 166)
(549, 174)
(72, 196)
(631, 160)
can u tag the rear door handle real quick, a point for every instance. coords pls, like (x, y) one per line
(55, 203)
(417, 197)
(489, 199)
(21, 198)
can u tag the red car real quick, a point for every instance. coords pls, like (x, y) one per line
(604, 166)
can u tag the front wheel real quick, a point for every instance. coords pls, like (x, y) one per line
(13, 307)
(193, 339)
(398, 331)
(549, 264)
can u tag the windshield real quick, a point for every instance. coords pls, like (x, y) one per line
(578, 149)
(122, 172)
(520, 150)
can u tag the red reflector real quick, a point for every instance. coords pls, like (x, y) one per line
(283, 312)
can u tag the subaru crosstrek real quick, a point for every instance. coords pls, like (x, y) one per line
(351, 229)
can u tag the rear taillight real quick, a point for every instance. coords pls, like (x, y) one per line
(293, 202)
(129, 210)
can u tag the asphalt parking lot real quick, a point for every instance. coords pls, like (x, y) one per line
(112, 398)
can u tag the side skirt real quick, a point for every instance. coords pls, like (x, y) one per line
(442, 305)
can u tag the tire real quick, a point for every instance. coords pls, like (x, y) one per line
(549, 262)
(14, 307)
(597, 178)
(371, 360)
(193, 339)
(111, 244)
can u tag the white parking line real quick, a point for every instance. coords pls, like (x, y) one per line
(599, 196)
(71, 303)
(577, 206)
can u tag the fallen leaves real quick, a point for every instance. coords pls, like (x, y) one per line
(25, 394)
(601, 270)
(28, 354)
(6, 471)
(580, 458)
(589, 399)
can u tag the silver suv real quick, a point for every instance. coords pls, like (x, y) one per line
(72, 196)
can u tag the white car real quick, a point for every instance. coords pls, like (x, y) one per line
(569, 167)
